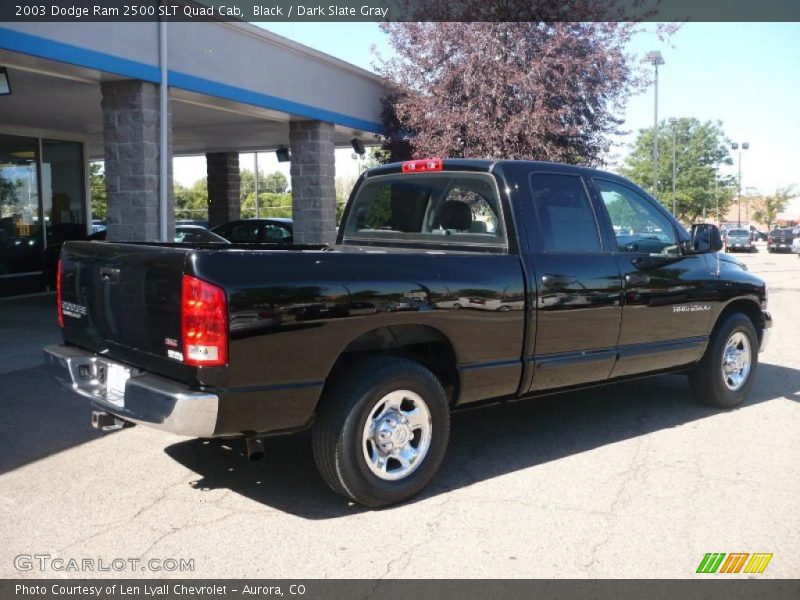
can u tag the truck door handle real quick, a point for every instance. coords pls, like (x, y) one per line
(636, 279)
(555, 280)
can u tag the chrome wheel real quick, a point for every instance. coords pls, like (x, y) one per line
(736, 361)
(397, 435)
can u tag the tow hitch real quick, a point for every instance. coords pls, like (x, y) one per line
(108, 422)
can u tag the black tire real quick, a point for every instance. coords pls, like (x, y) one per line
(339, 425)
(706, 378)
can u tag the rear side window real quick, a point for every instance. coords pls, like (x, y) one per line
(244, 232)
(435, 208)
(276, 233)
(566, 219)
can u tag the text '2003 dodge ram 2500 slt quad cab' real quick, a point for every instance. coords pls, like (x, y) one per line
(452, 282)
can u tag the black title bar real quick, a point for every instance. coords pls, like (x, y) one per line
(708, 587)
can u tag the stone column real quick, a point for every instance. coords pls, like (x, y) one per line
(131, 151)
(313, 188)
(224, 187)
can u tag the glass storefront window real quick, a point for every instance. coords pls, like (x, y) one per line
(21, 240)
(55, 194)
(63, 192)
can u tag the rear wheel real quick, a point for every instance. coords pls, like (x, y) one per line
(724, 376)
(382, 431)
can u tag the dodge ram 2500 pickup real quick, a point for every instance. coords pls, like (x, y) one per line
(451, 283)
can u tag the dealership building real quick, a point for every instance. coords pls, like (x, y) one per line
(75, 92)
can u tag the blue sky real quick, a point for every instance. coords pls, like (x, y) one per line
(745, 74)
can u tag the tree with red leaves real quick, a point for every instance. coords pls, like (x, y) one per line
(534, 90)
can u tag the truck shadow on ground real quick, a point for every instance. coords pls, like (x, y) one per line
(484, 443)
(39, 418)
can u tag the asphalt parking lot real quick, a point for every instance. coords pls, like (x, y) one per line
(634, 480)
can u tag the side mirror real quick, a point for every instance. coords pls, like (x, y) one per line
(705, 238)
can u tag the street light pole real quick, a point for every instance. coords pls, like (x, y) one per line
(255, 183)
(655, 59)
(735, 146)
(673, 122)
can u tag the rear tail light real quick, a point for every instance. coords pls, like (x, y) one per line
(58, 295)
(204, 323)
(770, 240)
(421, 166)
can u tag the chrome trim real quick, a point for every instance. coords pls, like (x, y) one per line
(149, 399)
(396, 440)
(736, 361)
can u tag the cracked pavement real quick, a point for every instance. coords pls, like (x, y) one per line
(630, 480)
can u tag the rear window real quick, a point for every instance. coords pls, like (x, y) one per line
(430, 208)
(738, 232)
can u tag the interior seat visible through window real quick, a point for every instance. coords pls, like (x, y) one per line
(453, 214)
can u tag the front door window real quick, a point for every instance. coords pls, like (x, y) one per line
(639, 226)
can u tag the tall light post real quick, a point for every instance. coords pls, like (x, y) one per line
(255, 183)
(672, 123)
(735, 146)
(654, 58)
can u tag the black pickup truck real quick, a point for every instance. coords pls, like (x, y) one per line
(452, 282)
(780, 240)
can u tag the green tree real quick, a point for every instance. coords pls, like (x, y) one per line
(97, 189)
(700, 148)
(269, 205)
(273, 201)
(380, 212)
(378, 156)
(191, 202)
(768, 207)
(622, 213)
(274, 183)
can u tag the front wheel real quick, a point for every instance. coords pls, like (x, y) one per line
(382, 431)
(724, 376)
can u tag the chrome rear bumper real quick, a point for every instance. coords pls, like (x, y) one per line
(148, 399)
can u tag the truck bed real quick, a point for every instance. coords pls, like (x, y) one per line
(291, 313)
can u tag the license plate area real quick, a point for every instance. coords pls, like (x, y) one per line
(116, 378)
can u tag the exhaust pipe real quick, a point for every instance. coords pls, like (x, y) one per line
(253, 448)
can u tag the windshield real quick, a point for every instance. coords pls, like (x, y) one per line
(427, 208)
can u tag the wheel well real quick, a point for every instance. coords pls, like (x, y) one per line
(747, 307)
(425, 345)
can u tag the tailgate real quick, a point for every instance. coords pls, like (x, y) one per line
(124, 300)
